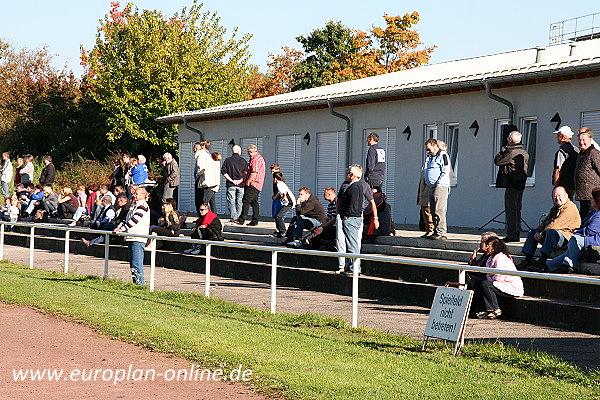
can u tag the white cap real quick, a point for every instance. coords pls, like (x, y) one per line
(565, 131)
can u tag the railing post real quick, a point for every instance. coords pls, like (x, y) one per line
(273, 282)
(152, 261)
(355, 272)
(67, 239)
(31, 246)
(106, 252)
(462, 277)
(1, 241)
(207, 271)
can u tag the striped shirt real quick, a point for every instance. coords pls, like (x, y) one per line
(331, 210)
(257, 165)
(137, 221)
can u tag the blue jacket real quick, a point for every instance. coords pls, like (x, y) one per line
(437, 170)
(139, 173)
(590, 229)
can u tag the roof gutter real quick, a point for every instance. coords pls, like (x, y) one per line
(187, 126)
(511, 108)
(348, 127)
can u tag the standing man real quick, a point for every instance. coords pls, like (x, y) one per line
(351, 199)
(375, 163)
(137, 221)
(513, 162)
(587, 171)
(27, 171)
(565, 161)
(170, 176)
(48, 175)
(233, 170)
(437, 178)
(255, 178)
(7, 173)
(207, 174)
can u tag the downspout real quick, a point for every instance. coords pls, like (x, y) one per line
(511, 108)
(348, 128)
(198, 131)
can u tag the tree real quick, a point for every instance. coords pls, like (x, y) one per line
(144, 65)
(280, 76)
(396, 49)
(326, 48)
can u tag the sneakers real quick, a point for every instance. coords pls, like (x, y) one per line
(86, 242)
(489, 314)
(426, 235)
(295, 244)
(196, 251)
(74, 223)
(252, 223)
(511, 240)
(278, 235)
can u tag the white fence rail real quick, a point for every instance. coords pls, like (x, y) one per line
(275, 251)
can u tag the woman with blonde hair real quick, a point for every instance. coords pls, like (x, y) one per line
(168, 223)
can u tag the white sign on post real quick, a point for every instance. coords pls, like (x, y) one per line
(448, 315)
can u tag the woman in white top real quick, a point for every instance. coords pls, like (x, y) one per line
(288, 201)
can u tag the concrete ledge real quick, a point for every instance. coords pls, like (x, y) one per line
(563, 313)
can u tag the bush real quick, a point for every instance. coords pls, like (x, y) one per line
(84, 172)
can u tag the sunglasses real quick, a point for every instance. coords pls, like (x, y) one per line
(203, 209)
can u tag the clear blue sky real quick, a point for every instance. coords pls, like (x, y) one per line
(460, 28)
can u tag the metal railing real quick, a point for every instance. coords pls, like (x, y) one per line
(275, 251)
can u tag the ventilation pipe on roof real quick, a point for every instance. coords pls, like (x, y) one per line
(348, 128)
(540, 55)
(511, 109)
(198, 131)
(573, 50)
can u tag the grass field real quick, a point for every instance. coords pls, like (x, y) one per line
(296, 356)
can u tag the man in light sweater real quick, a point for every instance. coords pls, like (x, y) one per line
(7, 173)
(437, 178)
(137, 221)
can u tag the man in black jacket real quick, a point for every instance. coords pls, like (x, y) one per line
(513, 162)
(233, 171)
(309, 214)
(48, 175)
(375, 163)
(565, 160)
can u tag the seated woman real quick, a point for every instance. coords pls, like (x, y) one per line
(487, 290)
(168, 224)
(208, 227)
(587, 235)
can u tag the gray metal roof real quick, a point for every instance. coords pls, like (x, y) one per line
(533, 63)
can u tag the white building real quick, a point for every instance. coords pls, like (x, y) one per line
(444, 101)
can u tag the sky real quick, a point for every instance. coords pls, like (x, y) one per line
(459, 29)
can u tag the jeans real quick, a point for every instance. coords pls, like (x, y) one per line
(205, 195)
(298, 224)
(49, 207)
(234, 201)
(351, 236)
(279, 223)
(100, 239)
(552, 240)
(513, 201)
(79, 212)
(5, 192)
(570, 257)
(136, 261)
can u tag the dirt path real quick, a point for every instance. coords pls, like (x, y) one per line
(31, 339)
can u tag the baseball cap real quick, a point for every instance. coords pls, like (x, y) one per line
(565, 130)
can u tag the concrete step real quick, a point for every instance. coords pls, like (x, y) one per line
(564, 313)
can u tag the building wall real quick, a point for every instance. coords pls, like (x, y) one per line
(474, 199)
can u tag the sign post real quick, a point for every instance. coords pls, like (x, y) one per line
(448, 316)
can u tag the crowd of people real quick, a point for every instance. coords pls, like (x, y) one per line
(356, 211)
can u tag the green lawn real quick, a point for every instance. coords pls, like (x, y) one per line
(296, 356)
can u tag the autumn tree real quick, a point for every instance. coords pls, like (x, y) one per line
(280, 75)
(392, 48)
(325, 48)
(145, 65)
